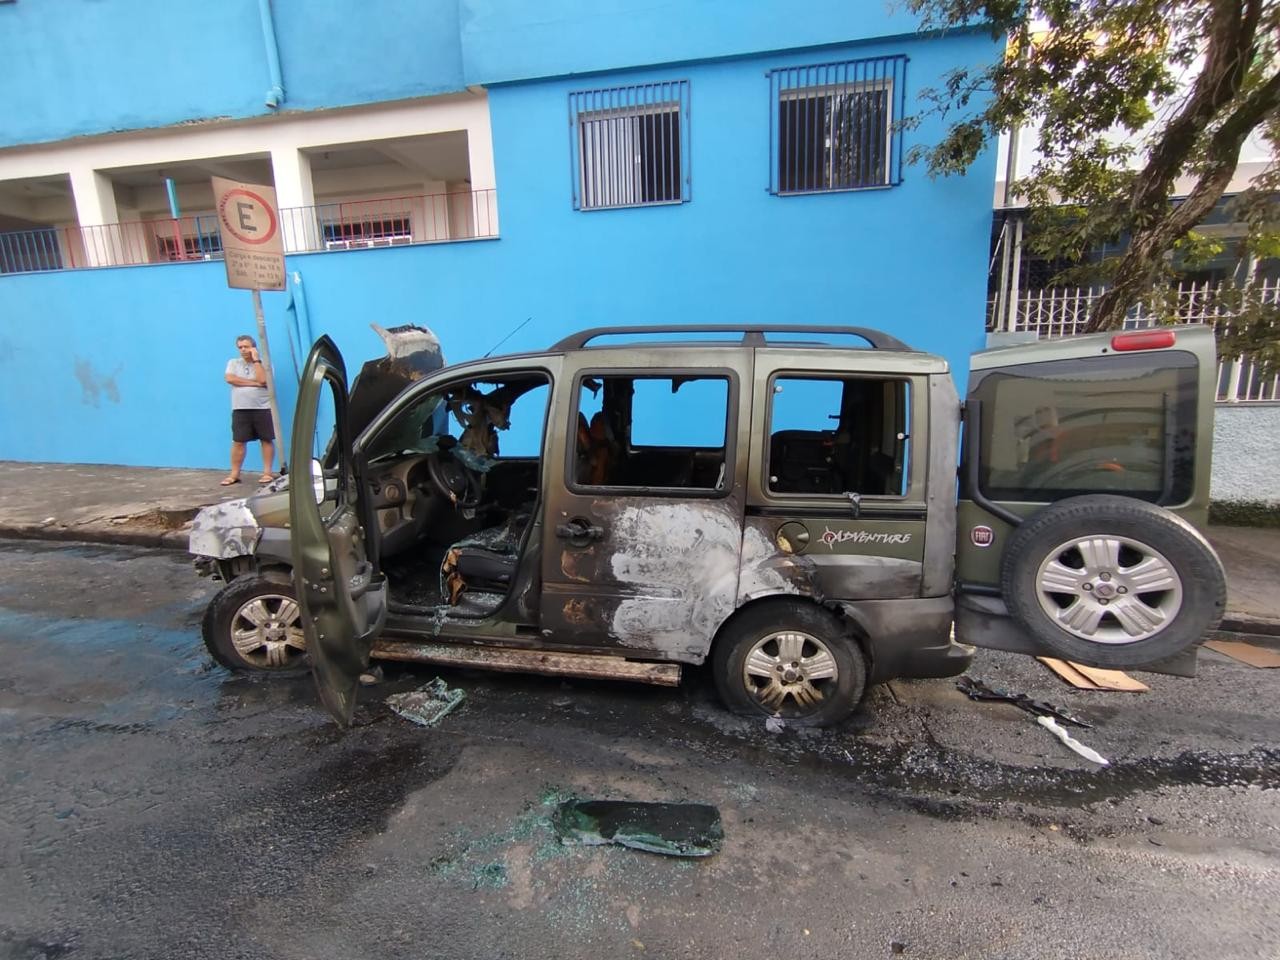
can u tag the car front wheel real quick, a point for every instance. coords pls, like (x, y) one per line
(255, 625)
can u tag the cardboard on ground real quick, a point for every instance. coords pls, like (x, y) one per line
(1093, 678)
(1245, 653)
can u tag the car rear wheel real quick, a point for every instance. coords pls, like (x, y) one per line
(1112, 581)
(255, 625)
(792, 660)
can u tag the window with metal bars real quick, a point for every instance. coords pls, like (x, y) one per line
(832, 125)
(629, 145)
(205, 246)
(353, 234)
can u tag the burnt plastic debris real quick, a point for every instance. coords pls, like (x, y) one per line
(975, 689)
(427, 705)
(672, 829)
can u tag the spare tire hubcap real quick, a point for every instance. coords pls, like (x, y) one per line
(1110, 590)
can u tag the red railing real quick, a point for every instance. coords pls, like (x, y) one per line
(391, 221)
(345, 225)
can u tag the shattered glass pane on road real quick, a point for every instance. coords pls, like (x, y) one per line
(672, 829)
(427, 705)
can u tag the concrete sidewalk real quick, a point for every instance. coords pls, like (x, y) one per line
(146, 506)
(153, 506)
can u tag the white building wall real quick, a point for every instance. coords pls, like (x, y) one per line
(1246, 453)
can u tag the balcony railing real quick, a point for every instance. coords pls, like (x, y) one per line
(110, 245)
(391, 221)
(1063, 312)
(347, 225)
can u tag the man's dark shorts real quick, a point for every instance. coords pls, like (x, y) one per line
(247, 425)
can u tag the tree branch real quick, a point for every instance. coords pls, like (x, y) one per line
(1226, 61)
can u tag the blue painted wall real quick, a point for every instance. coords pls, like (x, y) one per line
(89, 66)
(125, 365)
(95, 67)
(505, 40)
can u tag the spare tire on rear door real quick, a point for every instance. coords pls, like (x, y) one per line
(1112, 581)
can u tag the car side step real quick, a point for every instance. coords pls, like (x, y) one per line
(590, 666)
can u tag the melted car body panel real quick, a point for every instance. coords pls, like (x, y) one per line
(225, 530)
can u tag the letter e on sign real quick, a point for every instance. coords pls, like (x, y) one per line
(252, 246)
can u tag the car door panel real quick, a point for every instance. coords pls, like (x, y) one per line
(649, 571)
(1106, 416)
(343, 597)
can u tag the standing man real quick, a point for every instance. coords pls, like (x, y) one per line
(250, 410)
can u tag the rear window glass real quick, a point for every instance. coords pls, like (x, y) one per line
(1109, 424)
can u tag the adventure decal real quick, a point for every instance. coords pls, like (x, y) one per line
(832, 537)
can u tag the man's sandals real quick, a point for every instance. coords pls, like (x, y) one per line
(228, 481)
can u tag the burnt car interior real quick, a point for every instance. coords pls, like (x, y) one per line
(453, 488)
(839, 435)
(652, 432)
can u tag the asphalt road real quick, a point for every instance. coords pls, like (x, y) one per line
(153, 805)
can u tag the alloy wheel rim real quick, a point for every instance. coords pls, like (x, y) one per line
(1107, 589)
(790, 673)
(267, 632)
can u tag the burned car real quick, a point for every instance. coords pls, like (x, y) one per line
(777, 501)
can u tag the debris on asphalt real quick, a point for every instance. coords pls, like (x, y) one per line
(672, 829)
(1093, 678)
(1245, 653)
(1087, 752)
(975, 689)
(427, 705)
(775, 724)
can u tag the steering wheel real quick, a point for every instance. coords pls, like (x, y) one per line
(454, 480)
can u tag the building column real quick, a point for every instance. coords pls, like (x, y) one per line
(484, 179)
(296, 198)
(95, 200)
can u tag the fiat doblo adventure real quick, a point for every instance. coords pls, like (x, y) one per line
(792, 504)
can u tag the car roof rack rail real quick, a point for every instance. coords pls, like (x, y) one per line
(752, 333)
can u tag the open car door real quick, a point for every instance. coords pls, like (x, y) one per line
(1084, 476)
(343, 598)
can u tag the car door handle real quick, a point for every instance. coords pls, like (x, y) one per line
(579, 529)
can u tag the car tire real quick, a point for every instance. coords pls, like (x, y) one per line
(1112, 582)
(771, 659)
(254, 625)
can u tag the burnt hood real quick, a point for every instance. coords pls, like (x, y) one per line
(413, 352)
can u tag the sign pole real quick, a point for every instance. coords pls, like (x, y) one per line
(253, 252)
(271, 378)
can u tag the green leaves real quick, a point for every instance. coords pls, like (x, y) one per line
(1124, 100)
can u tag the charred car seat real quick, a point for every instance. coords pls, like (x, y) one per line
(484, 562)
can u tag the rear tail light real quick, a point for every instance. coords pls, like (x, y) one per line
(1143, 340)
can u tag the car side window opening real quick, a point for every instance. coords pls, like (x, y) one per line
(652, 432)
(838, 435)
(1110, 424)
(487, 419)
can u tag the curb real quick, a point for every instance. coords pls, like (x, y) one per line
(178, 539)
(1242, 623)
(123, 537)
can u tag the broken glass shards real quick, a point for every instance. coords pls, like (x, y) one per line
(673, 829)
(427, 705)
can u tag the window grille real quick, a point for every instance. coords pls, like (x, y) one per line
(354, 234)
(831, 125)
(630, 145)
(205, 246)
